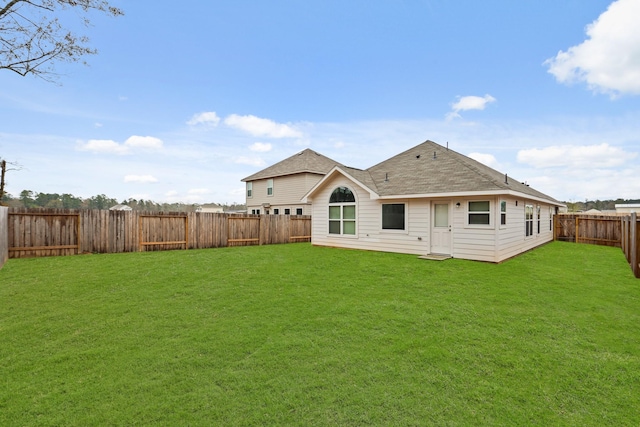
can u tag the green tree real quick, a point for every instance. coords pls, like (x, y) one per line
(33, 38)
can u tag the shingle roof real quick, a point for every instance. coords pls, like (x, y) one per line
(430, 168)
(304, 161)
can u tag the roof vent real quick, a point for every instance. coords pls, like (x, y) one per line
(434, 155)
(506, 181)
(386, 176)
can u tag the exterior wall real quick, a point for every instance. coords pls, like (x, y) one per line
(369, 233)
(287, 192)
(493, 243)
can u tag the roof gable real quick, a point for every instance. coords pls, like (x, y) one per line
(430, 168)
(306, 161)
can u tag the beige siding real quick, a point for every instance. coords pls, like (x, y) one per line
(287, 192)
(512, 240)
(493, 243)
(369, 233)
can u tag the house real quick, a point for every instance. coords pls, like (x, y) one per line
(278, 189)
(120, 208)
(210, 208)
(627, 208)
(430, 200)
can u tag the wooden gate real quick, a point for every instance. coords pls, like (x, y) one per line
(243, 231)
(163, 232)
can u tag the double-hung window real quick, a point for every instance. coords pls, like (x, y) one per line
(393, 216)
(249, 189)
(538, 216)
(479, 213)
(270, 187)
(503, 212)
(342, 212)
(528, 220)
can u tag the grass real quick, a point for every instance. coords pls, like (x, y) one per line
(301, 335)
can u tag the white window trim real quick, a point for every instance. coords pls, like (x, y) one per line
(490, 212)
(406, 218)
(500, 213)
(342, 205)
(533, 214)
(249, 190)
(270, 187)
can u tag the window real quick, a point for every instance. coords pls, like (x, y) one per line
(538, 215)
(528, 220)
(503, 212)
(270, 187)
(479, 213)
(249, 189)
(342, 212)
(298, 211)
(255, 211)
(550, 218)
(287, 211)
(393, 216)
(276, 211)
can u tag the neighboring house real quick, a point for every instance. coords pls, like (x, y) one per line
(120, 208)
(210, 208)
(278, 189)
(430, 200)
(627, 208)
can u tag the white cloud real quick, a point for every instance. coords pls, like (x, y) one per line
(471, 102)
(575, 156)
(261, 147)
(144, 142)
(112, 147)
(609, 60)
(257, 126)
(140, 179)
(251, 161)
(102, 146)
(485, 159)
(206, 118)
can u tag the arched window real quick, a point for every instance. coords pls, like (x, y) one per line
(342, 212)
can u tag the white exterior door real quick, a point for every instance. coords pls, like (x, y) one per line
(441, 229)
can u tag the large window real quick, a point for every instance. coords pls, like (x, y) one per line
(528, 220)
(270, 187)
(393, 216)
(503, 212)
(479, 213)
(342, 212)
(249, 189)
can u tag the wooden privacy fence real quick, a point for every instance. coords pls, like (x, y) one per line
(618, 231)
(4, 229)
(49, 232)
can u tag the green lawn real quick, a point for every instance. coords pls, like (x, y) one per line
(301, 335)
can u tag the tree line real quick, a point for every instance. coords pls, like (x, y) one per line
(601, 205)
(32, 199)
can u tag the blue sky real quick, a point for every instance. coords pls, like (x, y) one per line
(183, 102)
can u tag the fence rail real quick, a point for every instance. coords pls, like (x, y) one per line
(50, 232)
(618, 231)
(4, 230)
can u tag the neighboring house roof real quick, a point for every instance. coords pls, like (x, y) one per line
(305, 161)
(120, 208)
(429, 169)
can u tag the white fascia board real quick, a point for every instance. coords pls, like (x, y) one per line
(473, 194)
(329, 175)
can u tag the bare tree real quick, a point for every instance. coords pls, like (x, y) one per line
(3, 173)
(33, 39)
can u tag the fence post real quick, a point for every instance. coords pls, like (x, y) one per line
(634, 244)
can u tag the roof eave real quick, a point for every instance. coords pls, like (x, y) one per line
(338, 170)
(471, 194)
